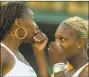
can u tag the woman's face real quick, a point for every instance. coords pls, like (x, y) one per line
(29, 24)
(68, 39)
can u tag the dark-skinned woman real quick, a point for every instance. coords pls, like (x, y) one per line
(17, 25)
(71, 44)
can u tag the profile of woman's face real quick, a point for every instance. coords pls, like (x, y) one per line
(67, 38)
(29, 24)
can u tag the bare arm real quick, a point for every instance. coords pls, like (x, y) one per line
(2, 60)
(57, 55)
(39, 52)
(42, 64)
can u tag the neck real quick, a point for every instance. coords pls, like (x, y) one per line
(79, 59)
(12, 43)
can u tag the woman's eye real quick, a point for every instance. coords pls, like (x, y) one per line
(63, 39)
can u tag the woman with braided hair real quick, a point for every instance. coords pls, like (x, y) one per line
(17, 25)
(71, 44)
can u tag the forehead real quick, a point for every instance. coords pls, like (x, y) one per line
(29, 14)
(65, 31)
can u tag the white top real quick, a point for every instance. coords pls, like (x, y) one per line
(20, 69)
(76, 74)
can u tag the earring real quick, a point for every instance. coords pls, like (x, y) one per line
(78, 46)
(17, 31)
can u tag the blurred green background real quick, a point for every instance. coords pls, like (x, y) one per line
(55, 12)
(48, 15)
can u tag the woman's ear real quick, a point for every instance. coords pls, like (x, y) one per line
(81, 43)
(17, 22)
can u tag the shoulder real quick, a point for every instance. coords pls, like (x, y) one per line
(84, 72)
(5, 55)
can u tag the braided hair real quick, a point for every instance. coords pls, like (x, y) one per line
(8, 14)
(80, 26)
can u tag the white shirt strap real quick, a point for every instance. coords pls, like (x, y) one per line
(9, 51)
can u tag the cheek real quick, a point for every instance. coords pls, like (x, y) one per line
(30, 28)
(69, 48)
(68, 45)
(30, 32)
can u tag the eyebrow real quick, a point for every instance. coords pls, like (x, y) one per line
(57, 36)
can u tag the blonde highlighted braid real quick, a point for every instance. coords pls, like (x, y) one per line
(80, 25)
